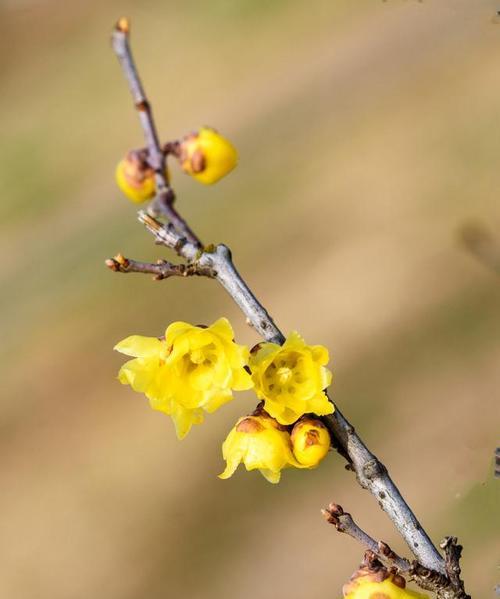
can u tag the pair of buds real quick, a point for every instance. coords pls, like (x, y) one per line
(205, 155)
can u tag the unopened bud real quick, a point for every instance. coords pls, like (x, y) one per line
(206, 155)
(310, 441)
(136, 178)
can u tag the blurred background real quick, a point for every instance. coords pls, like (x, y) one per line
(369, 134)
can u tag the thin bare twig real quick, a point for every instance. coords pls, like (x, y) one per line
(443, 585)
(163, 202)
(345, 523)
(162, 269)
(216, 262)
(453, 553)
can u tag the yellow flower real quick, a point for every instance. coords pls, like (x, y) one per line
(193, 370)
(310, 441)
(367, 588)
(291, 378)
(207, 156)
(258, 442)
(136, 178)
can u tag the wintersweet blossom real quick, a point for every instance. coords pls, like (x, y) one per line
(136, 179)
(258, 442)
(291, 378)
(368, 587)
(310, 441)
(207, 156)
(191, 371)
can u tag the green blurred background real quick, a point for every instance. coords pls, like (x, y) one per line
(369, 132)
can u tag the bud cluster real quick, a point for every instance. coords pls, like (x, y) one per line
(205, 155)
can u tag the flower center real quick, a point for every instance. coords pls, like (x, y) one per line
(284, 374)
(197, 356)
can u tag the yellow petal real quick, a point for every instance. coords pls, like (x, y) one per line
(175, 329)
(136, 374)
(269, 475)
(184, 420)
(139, 346)
(320, 405)
(222, 327)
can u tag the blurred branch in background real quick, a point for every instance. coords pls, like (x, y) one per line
(484, 245)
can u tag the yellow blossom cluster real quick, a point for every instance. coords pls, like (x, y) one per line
(205, 155)
(194, 370)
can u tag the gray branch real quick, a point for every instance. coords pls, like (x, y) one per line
(162, 269)
(345, 523)
(370, 472)
(164, 200)
(216, 262)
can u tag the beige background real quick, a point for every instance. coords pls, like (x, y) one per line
(369, 133)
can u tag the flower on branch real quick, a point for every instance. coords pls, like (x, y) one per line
(192, 370)
(374, 581)
(135, 178)
(310, 441)
(259, 442)
(387, 589)
(207, 156)
(291, 378)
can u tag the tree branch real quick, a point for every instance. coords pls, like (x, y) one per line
(161, 269)
(345, 523)
(370, 472)
(163, 202)
(216, 262)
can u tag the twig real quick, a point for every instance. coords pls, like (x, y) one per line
(163, 202)
(370, 472)
(444, 585)
(161, 269)
(216, 262)
(453, 553)
(345, 523)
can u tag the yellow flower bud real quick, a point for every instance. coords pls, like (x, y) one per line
(191, 371)
(207, 156)
(136, 178)
(310, 441)
(379, 584)
(291, 378)
(258, 442)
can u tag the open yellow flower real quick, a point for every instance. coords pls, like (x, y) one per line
(291, 378)
(207, 156)
(192, 371)
(258, 442)
(367, 588)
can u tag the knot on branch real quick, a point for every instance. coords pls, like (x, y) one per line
(373, 469)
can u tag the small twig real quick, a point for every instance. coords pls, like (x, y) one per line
(161, 269)
(345, 523)
(453, 553)
(216, 262)
(163, 202)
